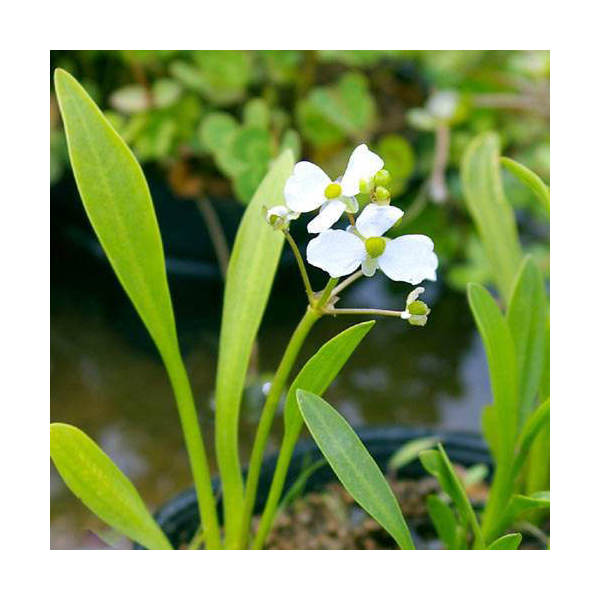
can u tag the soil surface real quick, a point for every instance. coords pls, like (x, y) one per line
(331, 520)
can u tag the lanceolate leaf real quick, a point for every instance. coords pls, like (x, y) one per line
(321, 369)
(520, 506)
(533, 426)
(531, 180)
(511, 541)
(527, 312)
(93, 477)
(493, 215)
(117, 201)
(252, 267)
(500, 353)
(444, 521)
(437, 463)
(354, 466)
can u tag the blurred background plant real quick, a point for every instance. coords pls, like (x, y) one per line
(209, 122)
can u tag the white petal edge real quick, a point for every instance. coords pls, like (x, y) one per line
(375, 220)
(336, 251)
(409, 258)
(369, 266)
(413, 296)
(363, 164)
(330, 213)
(305, 188)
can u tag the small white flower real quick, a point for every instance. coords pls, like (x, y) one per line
(416, 311)
(279, 217)
(442, 105)
(309, 188)
(407, 258)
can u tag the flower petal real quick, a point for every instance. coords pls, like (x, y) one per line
(375, 220)
(337, 252)
(305, 188)
(409, 258)
(363, 164)
(369, 266)
(331, 211)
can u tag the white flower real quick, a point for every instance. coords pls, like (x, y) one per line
(407, 258)
(279, 217)
(309, 188)
(416, 311)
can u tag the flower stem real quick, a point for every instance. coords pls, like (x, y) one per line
(348, 281)
(363, 311)
(301, 266)
(266, 420)
(326, 293)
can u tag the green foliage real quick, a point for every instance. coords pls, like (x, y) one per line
(354, 466)
(436, 463)
(410, 452)
(344, 110)
(250, 275)
(532, 181)
(444, 521)
(489, 209)
(95, 479)
(511, 541)
(526, 319)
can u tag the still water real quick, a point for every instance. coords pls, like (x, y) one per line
(106, 377)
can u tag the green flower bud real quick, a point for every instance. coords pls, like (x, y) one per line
(383, 178)
(418, 308)
(375, 246)
(333, 190)
(382, 195)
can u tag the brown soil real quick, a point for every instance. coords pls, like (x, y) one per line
(331, 520)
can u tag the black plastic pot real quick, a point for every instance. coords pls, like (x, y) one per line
(179, 517)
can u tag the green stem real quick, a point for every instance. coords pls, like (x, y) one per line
(301, 266)
(364, 311)
(348, 281)
(266, 420)
(290, 438)
(326, 293)
(195, 448)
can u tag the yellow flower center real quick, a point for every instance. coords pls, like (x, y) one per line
(333, 190)
(375, 246)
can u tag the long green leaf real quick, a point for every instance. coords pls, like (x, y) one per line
(321, 369)
(536, 422)
(510, 541)
(528, 178)
(500, 351)
(117, 201)
(493, 215)
(95, 479)
(526, 316)
(315, 376)
(354, 466)
(409, 452)
(250, 275)
(444, 521)
(438, 464)
(521, 506)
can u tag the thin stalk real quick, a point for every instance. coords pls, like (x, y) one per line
(216, 233)
(438, 188)
(195, 449)
(326, 293)
(268, 414)
(305, 279)
(281, 469)
(348, 281)
(363, 311)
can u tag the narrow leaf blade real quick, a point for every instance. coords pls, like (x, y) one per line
(493, 215)
(526, 317)
(117, 201)
(511, 541)
(443, 520)
(531, 180)
(95, 479)
(250, 275)
(354, 466)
